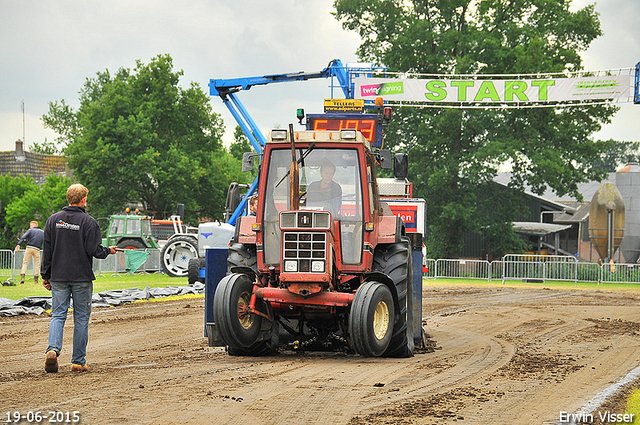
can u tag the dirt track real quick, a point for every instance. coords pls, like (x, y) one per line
(505, 356)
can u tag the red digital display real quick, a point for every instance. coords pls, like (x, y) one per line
(365, 126)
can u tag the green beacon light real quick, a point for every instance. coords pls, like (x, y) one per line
(300, 115)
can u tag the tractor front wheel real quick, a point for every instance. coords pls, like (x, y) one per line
(242, 330)
(394, 260)
(371, 319)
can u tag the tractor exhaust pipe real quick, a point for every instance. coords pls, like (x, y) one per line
(294, 173)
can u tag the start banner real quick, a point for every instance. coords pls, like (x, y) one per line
(470, 90)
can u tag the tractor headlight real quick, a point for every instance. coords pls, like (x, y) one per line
(278, 134)
(291, 266)
(317, 266)
(347, 134)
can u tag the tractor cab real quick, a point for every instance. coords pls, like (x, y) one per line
(337, 204)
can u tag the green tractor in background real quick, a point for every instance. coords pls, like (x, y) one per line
(130, 231)
(177, 242)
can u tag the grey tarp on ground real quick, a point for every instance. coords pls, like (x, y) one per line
(37, 305)
(29, 305)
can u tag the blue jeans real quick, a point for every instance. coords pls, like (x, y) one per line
(61, 293)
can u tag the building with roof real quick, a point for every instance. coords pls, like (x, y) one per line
(38, 165)
(559, 225)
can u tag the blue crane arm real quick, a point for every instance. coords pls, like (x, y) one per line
(223, 87)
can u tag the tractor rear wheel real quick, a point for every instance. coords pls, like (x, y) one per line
(394, 260)
(176, 254)
(130, 244)
(371, 319)
(243, 331)
(241, 258)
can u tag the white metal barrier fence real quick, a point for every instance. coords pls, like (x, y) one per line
(6, 265)
(532, 268)
(429, 269)
(11, 264)
(511, 267)
(468, 269)
(114, 265)
(539, 267)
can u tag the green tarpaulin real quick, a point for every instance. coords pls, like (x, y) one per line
(134, 259)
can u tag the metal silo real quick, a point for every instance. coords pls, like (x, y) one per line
(606, 220)
(628, 183)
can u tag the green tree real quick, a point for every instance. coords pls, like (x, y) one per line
(46, 147)
(240, 144)
(452, 152)
(23, 200)
(139, 137)
(617, 154)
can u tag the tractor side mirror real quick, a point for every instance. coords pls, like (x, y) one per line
(247, 161)
(401, 166)
(385, 159)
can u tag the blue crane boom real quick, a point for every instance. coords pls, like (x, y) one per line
(226, 89)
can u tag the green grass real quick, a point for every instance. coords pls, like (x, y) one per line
(551, 284)
(128, 281)
(107, 283)
(633, 406)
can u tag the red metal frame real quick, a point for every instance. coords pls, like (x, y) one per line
(284, 296)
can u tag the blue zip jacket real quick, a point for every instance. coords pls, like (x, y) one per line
(34, 237)
(71, 239)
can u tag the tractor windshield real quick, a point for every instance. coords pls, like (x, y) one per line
(330, 181)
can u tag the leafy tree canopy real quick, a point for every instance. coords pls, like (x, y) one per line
(240, 144)
(617, 154)
(138, 137)
(22, 200)
(452, 152)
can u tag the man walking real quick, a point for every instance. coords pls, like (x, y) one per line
(71, 239)
(34, 237)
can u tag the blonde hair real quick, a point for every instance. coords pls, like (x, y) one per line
(33, 222)
(75, 193)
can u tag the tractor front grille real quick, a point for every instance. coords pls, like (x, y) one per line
(304, 252)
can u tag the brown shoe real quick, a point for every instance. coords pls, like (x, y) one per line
(79, 368)
(35, 278)
(51, 362)
(21, 278)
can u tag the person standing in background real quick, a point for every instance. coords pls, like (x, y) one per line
(34, 238)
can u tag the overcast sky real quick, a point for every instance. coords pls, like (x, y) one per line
(48, 48)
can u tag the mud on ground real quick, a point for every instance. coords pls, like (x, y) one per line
(503, 356)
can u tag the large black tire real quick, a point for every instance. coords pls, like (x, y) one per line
(193, 270)
(244, 333)
(371, 319)
(130, 244)
(394, 260)
(242, 258)
(176, 254)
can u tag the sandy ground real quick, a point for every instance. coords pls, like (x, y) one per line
(503, 356)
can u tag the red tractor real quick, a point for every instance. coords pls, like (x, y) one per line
(324, 263)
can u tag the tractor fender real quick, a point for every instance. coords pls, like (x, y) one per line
(387, 281)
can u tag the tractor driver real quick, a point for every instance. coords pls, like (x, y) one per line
(325, 193)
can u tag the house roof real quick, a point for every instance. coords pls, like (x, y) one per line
(587, 190)
(38, 165)
(538, 229)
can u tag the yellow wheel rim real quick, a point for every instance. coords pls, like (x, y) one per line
(244, 316)
(381, 320)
